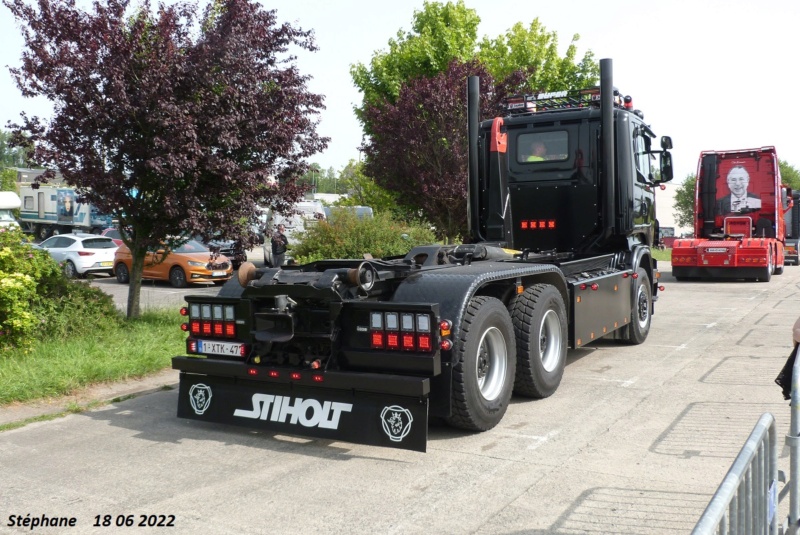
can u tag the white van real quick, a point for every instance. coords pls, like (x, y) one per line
(9, 201)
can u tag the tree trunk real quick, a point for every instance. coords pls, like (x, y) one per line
(138, 254)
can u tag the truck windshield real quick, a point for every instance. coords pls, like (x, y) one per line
(5, 215)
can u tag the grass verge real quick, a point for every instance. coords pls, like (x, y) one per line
(58, 367)
(662, 254)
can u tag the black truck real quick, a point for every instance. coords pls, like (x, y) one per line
(561, 222)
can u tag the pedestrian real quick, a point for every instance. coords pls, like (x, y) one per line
(279, 244)
(784, 379)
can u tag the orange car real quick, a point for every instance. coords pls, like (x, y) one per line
(191, 262)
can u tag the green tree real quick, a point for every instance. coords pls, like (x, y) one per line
(534, 50)
(11, 156)
(439, 34)
(684, 202)
(8, 180)
(363, 191)
(790, 175)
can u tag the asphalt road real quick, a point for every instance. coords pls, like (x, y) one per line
(635, 441)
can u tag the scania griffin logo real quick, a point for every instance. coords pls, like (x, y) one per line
(306, 412)
(396, 422)
(200, 397)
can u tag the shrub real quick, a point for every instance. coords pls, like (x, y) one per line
(347, 236)
(37, 301)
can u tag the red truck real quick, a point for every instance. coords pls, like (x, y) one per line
(739, 225)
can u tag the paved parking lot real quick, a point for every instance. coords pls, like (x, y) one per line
(635, 441)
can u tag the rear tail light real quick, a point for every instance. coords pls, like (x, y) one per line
(392, 341)
(405, 331)
(85, 253)
(215, 320)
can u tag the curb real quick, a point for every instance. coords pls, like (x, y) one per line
(91, 395)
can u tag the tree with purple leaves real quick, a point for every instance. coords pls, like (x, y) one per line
(175, 124)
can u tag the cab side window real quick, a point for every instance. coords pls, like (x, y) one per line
(641, 157)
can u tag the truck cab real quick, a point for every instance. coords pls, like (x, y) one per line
(739, 218)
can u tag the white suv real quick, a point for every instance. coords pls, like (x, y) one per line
(80, 254)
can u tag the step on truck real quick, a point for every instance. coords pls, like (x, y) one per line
(48, 210)
(739, 218)
(368, 350)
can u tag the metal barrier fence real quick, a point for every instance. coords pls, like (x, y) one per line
(747, 500)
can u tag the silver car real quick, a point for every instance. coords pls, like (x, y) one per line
(80, 254)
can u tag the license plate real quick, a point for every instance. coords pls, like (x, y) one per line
(716, 250)
(219, 348)
(218, 274)
(105, 264)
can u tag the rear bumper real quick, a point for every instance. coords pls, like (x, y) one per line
(727, 273)
(363, 408)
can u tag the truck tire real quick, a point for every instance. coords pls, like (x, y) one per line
(642, 305)
(177, 277)
(121, 271)
(766, 273)
(483, 374)
(540, 327)
(42, 232)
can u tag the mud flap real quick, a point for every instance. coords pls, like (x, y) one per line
(360, 417)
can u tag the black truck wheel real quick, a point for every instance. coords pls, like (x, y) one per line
(766, 273)
(483, 374)
(42, 231)
(540, 325)
(642, 305)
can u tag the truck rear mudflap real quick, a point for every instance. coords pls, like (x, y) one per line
(362, 417)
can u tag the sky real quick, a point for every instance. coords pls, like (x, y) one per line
(713, 75)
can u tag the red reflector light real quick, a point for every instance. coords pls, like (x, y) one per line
(661, 288)
(317, 378)
(377, 340)
(243, 350)
(551, 224)
(194, 327)
(524, 225)
(206, 327)
(217, 328)
(408, 342)
(295, 376)
(393, 340)
(625, 275)
(595, 286)
(583, 286)
(230, 329)
(446, 344)
(274, 374)
(185, 327)
(252, 371)
(424, 342)
(635, 275)
(192, 346)
(184, 311)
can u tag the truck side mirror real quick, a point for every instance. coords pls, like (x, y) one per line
(666, 166)
(666, 142)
